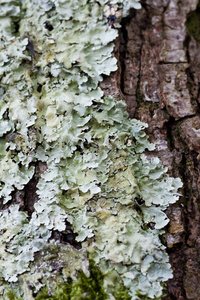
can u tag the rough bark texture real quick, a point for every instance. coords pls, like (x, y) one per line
(159, 77)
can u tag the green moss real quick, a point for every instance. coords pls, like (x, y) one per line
(122, 293)
(84, 288)
(62, 292)
(12, 296)
(193, 24)
(144, 297)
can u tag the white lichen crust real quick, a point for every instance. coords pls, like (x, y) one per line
(52, 57)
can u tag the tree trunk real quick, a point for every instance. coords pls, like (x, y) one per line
(159, 77)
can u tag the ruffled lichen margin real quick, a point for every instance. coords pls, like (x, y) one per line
(96, 176)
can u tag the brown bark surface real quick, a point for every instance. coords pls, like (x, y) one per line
(159, 77)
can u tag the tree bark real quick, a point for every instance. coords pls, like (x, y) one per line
(159, 77)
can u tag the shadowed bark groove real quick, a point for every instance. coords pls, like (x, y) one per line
(159, 77)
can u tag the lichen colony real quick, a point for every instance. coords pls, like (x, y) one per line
(96, 176)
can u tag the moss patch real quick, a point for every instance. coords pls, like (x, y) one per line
(12, 296)
(193, 24)
(90, 288)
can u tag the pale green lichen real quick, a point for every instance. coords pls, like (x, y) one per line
(52, 56)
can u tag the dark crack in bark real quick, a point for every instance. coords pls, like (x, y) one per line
(30, 190)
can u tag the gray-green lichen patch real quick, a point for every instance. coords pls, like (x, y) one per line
(52, 56)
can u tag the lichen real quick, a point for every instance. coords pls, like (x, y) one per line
(97, 178)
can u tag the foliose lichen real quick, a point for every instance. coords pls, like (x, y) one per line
(52, 57)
